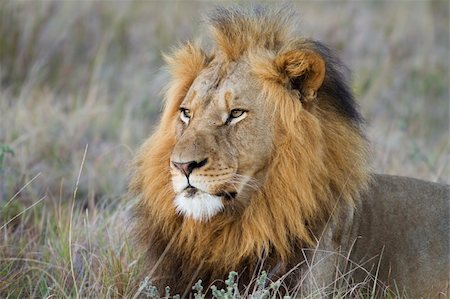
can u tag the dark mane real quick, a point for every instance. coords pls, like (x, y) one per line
(336, 85)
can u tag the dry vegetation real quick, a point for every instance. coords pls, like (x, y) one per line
(80, 88)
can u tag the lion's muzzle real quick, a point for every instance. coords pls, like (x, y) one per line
(188, 167)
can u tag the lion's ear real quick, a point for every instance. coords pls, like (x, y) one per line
(304, 70)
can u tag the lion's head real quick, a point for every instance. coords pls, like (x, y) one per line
(260, 139)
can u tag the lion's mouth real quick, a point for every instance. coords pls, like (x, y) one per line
(190, 191)
(198, 204)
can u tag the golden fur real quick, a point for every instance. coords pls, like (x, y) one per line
(318, 163)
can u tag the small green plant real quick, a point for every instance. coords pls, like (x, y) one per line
(198, 288)
(148, 289)
(231, 290)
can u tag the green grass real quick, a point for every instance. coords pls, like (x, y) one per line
(80, 89)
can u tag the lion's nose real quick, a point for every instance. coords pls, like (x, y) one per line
(188, 167)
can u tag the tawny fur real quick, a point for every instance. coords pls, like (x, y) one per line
(314, 157)
(321, 155)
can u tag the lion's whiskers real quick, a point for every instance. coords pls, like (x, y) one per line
(244, 181)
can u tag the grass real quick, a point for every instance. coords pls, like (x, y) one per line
(80, 89)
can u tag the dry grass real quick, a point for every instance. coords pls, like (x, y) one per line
(88, 73)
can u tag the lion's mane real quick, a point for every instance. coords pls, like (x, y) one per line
(319, 162)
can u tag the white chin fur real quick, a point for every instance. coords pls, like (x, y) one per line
(200, 207)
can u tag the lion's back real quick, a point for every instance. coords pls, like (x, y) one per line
(406, 221)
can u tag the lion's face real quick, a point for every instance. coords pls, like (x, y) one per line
(223, 142)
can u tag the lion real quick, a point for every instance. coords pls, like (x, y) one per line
(260, 162)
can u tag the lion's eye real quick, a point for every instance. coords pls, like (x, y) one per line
(185, 114)
(236, 115)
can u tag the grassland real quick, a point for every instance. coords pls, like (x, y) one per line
(80, 89)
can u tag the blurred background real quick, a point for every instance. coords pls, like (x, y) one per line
(77, 73)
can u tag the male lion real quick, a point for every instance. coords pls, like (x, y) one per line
(260, 163)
